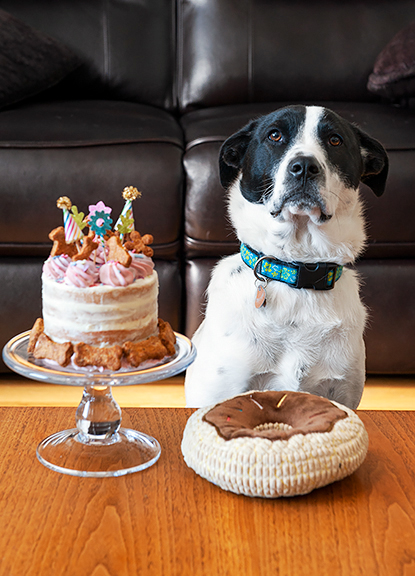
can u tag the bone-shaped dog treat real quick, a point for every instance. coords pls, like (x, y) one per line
(109, 358)
(60, 245)
(149, 349)
(167, 336)
(88, 246)
(117, 252)
(46, 348)
(35, 332)
(140, 243)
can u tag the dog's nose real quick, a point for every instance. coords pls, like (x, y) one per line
(305, 167)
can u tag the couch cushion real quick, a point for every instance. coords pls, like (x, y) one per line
(89, 151)
(127, 47)
(208, 232)
(235, 52)
(30, 61)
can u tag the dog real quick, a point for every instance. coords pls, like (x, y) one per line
(285, 312)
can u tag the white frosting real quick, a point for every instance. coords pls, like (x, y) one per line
(82, 314)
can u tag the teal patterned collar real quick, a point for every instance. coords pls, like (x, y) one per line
(317, 276)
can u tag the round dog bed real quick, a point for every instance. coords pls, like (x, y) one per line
(274, 444)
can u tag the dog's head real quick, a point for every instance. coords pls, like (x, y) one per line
(300, 163)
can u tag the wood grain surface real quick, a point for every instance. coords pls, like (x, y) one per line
(168, 521)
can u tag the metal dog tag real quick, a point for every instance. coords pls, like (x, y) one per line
(261, 283)
(261, 296)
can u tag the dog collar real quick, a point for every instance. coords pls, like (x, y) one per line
(316, 276)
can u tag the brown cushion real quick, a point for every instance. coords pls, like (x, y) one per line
(393, 75)
(30, 61)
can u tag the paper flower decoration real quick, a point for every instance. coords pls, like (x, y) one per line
(72, 230)
(99, 219)
(100, 207)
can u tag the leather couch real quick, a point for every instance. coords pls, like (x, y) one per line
(160, 85)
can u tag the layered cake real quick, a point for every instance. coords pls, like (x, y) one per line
(100, 293)
(101, 314)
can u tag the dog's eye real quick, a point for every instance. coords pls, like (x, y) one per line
(335, 140)
(275, 136)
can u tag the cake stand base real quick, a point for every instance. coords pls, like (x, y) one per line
(71, 452)
(98, 447)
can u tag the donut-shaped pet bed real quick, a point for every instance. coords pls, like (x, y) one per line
(274, 444)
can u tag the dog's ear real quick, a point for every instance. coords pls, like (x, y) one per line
(232, 153)
(375, 163)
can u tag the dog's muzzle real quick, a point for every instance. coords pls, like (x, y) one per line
(304, 176)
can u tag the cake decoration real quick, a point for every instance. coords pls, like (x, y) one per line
(100, 293)
(99, 256)
(81, 273)
(55, 266)
(88, 246)
(60, 246)
(117, 252)
(142, 265)
(35, 333)
(138, 243)
(99, 219)
(79, 217)
(72, 230)
(47, 349)
(109, 357)
(125, 223)
(115, 274)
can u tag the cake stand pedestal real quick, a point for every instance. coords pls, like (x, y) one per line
(98, 446)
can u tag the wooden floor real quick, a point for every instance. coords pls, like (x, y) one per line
(380, 393)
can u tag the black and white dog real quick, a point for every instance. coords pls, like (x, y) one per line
(284, 314)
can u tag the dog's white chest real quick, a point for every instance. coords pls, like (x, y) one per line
(298, 338)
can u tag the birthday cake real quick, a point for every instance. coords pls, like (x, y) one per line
(100, 293)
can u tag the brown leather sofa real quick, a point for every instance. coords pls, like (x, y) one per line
(160, 84)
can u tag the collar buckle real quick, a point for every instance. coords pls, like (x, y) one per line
(318, 276)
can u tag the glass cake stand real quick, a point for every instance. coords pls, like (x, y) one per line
(98, 446)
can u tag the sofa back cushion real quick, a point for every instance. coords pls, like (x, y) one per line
(127, 46)
(292, 50)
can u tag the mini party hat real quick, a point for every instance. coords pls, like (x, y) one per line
(125, 223)
(72, 231)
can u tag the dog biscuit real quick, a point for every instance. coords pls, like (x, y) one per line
(60, 246)
(117, 252)
(140, 243)
(108, 358)
(88, 247)
(150, 349)
(167, 336)
(35, 332)
(46, 348)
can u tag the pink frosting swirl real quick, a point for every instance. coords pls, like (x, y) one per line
(98, 255)
(55, 266)
(142, 265)
(115, 274)
(81, 273)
